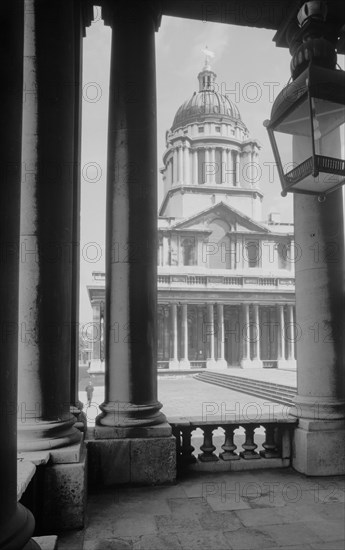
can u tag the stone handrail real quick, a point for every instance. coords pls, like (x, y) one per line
(217, 281)
(237, 450)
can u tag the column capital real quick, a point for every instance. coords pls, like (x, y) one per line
(131, 13)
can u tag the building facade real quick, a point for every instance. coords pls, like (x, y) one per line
(226, 290)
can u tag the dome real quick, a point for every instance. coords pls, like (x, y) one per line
(203, 105)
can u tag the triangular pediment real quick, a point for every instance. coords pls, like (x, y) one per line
(237, 221)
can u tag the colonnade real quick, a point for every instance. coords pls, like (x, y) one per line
(217, 335)
(47, 137)
(205, 164)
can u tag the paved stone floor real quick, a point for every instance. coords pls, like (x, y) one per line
(264, 509)
(242, 511)
(186, 396)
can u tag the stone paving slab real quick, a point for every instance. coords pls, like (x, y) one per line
(275, 509)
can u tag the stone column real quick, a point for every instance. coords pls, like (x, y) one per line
(180, 165)
(221, 362)
(281, 363)
(16, 522)
(291, 360)
(231, 167)
(96, 366)
(256, 337)
(184, 363)
(225, 166)
(195, 166)
(175, 166)
(76, 404)
(44, 418)
(186, 166)
(131, 231)
(210, 333)
(245, 335)
(213, 167)
(319, 440)
(174, 362)
(207, 166)
(237, 169)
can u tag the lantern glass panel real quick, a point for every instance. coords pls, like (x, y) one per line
(319, 122)
(295, 123)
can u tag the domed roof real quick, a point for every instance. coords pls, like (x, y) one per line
(207, 103)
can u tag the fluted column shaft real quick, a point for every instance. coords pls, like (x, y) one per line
(131, 233)
(16, 522)
(44, 418)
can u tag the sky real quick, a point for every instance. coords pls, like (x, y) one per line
(250, 70)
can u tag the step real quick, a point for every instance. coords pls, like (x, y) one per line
(269, 390)
(263, 383)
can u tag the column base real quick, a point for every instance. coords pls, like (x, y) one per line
(18, 530)
(118, 414)
(184, 364)
(221, 364)
(139, 432)
(319, 448)
(64, 491)
(174, 364)
(145, 461)
(96, 367)
(211, 364)
(80, 417)
(44, 436)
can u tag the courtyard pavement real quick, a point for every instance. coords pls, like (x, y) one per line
(266, 509)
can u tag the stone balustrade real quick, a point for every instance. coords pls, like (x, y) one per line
(223, 281)
(270, 447)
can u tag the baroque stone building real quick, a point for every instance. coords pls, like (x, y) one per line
(225, 277)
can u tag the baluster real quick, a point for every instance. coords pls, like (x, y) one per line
(249, 446)
(187, 448)
(176, 432)
(229, 445)
(207, 447)
(270, 446)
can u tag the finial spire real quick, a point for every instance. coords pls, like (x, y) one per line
(208, 55)
(207, 76)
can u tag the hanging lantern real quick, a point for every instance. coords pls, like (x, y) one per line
(307, 125)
